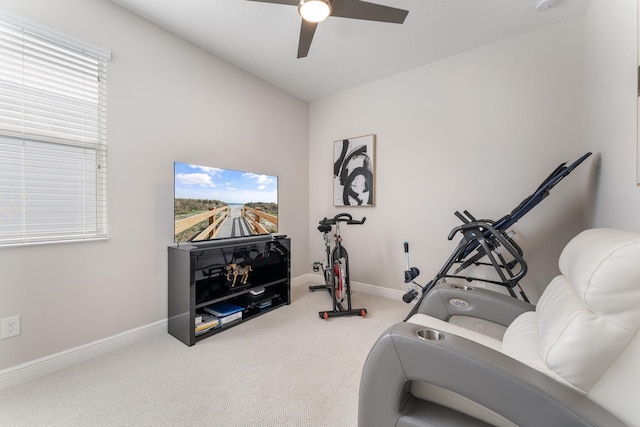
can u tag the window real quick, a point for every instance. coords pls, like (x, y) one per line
(53, 147)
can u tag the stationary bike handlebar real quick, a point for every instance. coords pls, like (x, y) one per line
(342, 217)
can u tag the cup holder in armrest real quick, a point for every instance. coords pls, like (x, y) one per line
(430, 335)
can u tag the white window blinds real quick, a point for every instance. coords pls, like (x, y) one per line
(53, 151)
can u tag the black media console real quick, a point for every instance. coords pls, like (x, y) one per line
(251, 275)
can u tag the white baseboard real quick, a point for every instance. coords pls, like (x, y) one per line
(47, 365)
(357, 286)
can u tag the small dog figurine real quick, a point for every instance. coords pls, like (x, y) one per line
(236, 270)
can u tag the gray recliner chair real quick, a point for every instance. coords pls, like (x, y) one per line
(572, 360)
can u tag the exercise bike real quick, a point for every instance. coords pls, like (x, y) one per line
(336, 269)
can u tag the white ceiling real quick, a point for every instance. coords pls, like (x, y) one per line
(262, 38)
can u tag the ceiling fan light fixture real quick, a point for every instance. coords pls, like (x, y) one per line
(314, 10)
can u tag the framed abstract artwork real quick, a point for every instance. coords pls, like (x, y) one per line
(354, 171)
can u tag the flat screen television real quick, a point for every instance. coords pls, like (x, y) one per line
(213, 203)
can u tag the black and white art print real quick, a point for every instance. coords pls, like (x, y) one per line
(353, 171)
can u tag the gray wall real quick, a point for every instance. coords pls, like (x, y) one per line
(168, 101)
(478, 131)
(612, 115)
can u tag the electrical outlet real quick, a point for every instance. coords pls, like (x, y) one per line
(10, 327)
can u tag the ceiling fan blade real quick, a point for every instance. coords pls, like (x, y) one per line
(307, 30)
(289, 2)
(356, 9)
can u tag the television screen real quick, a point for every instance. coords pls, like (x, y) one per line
(213, 203)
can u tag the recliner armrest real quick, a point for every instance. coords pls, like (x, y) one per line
(444, 301)
(518, 392)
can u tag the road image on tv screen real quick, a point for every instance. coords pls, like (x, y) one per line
(213, 203)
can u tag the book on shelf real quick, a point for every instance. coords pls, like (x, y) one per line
(230, 318)
(223, 309)
(264, 304)
(208, 322)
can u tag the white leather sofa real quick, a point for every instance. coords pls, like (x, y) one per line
(572, 360)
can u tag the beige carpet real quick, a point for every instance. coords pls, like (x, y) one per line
(285, 368)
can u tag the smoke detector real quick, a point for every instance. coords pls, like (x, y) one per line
(542, 5)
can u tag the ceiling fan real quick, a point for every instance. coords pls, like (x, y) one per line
(315, 11)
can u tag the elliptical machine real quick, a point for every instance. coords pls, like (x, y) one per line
(336, 269)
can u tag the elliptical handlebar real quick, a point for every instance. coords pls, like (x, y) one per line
(353, 221)
(341, 217)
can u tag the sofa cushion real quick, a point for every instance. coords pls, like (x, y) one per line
(603, 267)
(522, 342)
(588, 315)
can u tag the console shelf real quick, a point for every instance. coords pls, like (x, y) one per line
(199, 278)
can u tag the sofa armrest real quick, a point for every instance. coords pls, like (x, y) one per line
(518, 392)
(444, 301)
